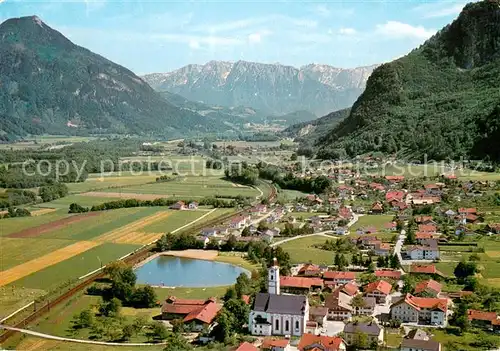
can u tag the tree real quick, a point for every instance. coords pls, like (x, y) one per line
(408, 284)
(246, 231)
(381, 261)
(243, 285)
(230, 294)
(465, 269)
(128, 331)
(144, 297)
(411, 238)
(85, 319)
(360, 341)
(225, 325)
(358, 301)
(158, 331)
(262, 226)
(240, 311)
(110, 308)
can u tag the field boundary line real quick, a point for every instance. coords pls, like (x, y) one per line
(194, 221)
(17, 311)
(80, 341)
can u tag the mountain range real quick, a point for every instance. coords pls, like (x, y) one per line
(50, 85)
(273, 89)
(440, 101)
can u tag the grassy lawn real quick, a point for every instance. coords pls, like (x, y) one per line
(86, 201)
(456, 341)
(12, 298)
(13, 225)
(100, 182)
(175, 220)
(236, 259)
(53, 276)
(377, 221)
(191, 293)
(21, 342)
(392, 339)
(289, 195)
(302, 250)
(15, 251)
(192, 187)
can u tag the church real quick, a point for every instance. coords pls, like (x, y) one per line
(276, 314)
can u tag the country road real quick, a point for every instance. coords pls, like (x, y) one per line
(80, 341)
(323, 233)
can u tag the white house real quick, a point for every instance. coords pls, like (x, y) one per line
(275, 314)
(193, 205)
(421, 310)
(422, 252)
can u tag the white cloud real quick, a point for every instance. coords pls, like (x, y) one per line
(194, 44)
(394, 29)
(438, 10)
(197, 40)
(254, 38)
(347, 31)
(321, 10)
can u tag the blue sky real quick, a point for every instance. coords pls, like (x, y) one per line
(159, 36)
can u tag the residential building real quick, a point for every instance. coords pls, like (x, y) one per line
(422, 237)
(428, 287)
(372, 330)
(425, 269)
(382, 249)
(482, 318)
(246, 346)
(318, 315)
(196, 313)
(209, 232)
(388, 274)
(271, 344)
(421, 252)
(193, 205)
(275, 314)
(309, 270)
(239, 222)
(377, 208)
(421, 310)
(311, 342)
(379, 289)
(339, 306)
(350, 289)
(338, 277)
(391, 226)
(420, 345)
(427, 228)
(368, 308)
(179, 205)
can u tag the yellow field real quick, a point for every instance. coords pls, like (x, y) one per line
(139, 238)
(25, 269)
(493, 254)
(129, 233)
(43, 211)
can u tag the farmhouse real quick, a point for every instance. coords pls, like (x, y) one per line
(379, 289)
(179, 205)
(428, 287)
(275, 344)
(300, 285)
(388, 274)
(339, 306)
(199, 313)
(318, 315)
(338, 277)
(425, 269)
(421, 310)
(427, 252)
(420, 345)
(310, 270)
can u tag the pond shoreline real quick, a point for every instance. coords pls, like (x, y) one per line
(206, 255)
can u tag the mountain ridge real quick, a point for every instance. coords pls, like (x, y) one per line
(52, 85)
(272, 88)
(441, 100)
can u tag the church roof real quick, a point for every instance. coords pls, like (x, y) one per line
(284, 304)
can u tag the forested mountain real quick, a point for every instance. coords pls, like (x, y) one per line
(274, 89)
(50, 85)
(441, 100)
(309, 132)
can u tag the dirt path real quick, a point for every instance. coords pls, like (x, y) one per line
(47, 227)
(124, 195)
(37, 264)
(200, 254)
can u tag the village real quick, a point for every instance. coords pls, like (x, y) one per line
(392, 281)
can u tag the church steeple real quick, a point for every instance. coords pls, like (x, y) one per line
(273, 278)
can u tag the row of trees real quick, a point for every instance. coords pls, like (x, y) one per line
(128, 203)
(242, 173)
(53, 191)
(16, 197)
(16, 212)
(315, 185)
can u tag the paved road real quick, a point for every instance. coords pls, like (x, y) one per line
(58, 338)
(399, 245)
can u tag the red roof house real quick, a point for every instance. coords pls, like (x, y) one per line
(386, 273)
(430, 286)
(246, 346)
(310, 342)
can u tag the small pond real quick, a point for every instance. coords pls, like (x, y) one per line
(186, 272)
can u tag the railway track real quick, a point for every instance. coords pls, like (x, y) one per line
(132, 259)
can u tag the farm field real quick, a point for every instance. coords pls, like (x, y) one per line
(100, 182)
(64, 202)
(302, 250)
(193, 187)
(290, 195)
(13, 225)
(376, 221)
